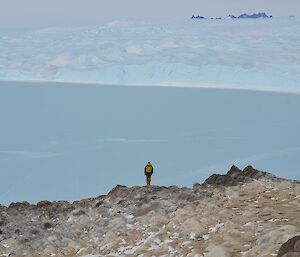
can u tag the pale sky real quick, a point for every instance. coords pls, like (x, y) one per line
(53, 13)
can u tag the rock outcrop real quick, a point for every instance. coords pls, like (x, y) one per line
(291, 248)
(243, 213)
(235, 176)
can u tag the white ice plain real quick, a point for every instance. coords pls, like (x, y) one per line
(261, 54)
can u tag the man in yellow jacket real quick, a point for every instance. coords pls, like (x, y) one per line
(148, 173)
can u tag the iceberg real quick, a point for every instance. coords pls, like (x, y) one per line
(254, 16)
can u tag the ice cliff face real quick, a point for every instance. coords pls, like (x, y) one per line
(243, 213)
(247, 54)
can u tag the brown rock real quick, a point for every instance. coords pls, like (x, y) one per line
(249, 171)
(118, 191)
(196, 187)
(235, 177)
(43, 204)
(141, 212)
(15, 208)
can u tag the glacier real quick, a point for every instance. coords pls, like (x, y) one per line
(243, 54)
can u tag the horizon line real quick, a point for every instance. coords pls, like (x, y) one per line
(163, 84)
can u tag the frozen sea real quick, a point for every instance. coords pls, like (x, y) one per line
(69, 141)
(192, 98)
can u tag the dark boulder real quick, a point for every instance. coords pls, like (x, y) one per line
(123, 203)
(290, 248)
(250, 172)
(43, 204)
(235, 176)
(79, 213)
(234, 171)
(19, 207)
(98, 204)
(232, 178)
(47, 225)
(221, 180)
(57, 208)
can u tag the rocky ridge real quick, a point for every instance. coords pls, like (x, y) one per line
(242, 16)
(243, 213)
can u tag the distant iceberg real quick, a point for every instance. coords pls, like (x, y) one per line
(242, 16)
(232, 16)
(198, 17)
(250, 16)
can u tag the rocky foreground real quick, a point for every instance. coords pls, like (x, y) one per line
(243, 213)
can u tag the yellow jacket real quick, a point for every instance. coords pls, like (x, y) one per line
(148, 169)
